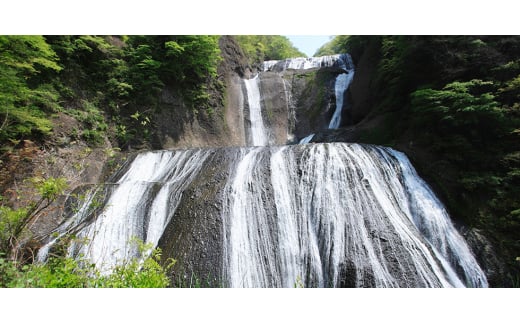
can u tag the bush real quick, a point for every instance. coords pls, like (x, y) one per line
(63, 272)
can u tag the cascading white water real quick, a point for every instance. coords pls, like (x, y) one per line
(341, 211)
(326, 215)
(140, 206)
(259, 137)
(432, 219)
(342, 61)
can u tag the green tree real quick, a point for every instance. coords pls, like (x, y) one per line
(24, 99)
(14, 222)
(64, 272)
(267, 47)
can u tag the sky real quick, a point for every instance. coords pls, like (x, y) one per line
(309, 44)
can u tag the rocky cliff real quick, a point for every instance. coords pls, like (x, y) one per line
(294, 104)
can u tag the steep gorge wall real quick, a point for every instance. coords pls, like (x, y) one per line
(221, 124)
(294, 104)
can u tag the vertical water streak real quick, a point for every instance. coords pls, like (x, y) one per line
(307, 139)
(258, 132)
(341, 85)
(72, 223)
(283, 168)
(250, 260)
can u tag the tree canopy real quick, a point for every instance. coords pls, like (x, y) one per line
(268, 47)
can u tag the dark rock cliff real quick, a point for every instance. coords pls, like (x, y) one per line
(217, 125)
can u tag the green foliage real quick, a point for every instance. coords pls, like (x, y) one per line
(354, 45)
(185, 61)
(460, 107)
(93, 121)
(101, 78)
(13, 221)
(70, 273)
(299, 283)
(192, 56)
(337, 45)
(261, 48)
(10, 221)
(50, 188)
(24, 95)
(148, 273)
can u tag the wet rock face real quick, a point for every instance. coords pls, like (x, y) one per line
(179, 127)
(233, 227)
(275, 106)
(194, 235)
(296, 103)
(485, 254)
(313, 98)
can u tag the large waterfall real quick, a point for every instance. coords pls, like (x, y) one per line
(318, 215)
(338, 215)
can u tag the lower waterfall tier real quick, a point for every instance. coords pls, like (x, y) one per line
(318, 215)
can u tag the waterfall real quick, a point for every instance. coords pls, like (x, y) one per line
(139, 205)
(328, 215)
(306, 140)
(341, 85)
(319, 214)
(339, 215)
(258, 135)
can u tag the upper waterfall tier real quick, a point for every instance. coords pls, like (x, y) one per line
(342, 61)
(288, 101)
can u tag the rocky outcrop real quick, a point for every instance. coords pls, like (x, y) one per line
(220, 124)
(62, 155)
(487, 257)
(296, 103)
(360, 96)
(194, 235)
(234, 59)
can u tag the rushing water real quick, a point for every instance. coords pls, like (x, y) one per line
(323, 215)
(139, 206)
(344, 215)
(258, 134)
(341, 85)
(343, 61)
